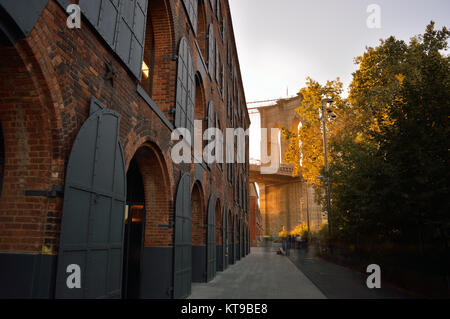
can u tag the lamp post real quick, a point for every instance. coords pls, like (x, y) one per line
(325, 112)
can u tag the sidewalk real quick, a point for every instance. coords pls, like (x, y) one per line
(261, 275)
(338, 282)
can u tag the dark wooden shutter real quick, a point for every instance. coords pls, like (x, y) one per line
(185, 100)
(218, 10)
(211, 241)
(183, 239)
(229, 103)
(217, 63)
(234, 238)
(241, 239)
(191, 7)
(122, 24)
(238, 104)
(222, 84)
(224, 29)
(235, 181)
(211, 58)
(131, 34)
(94, 207)
(211, 114)
(19, 18)
(240, 190)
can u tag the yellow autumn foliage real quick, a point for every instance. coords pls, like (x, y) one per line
(299, 230)
(305, 149)
(283, 233)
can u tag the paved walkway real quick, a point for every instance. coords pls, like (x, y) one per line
(261, 275)
(337, 282)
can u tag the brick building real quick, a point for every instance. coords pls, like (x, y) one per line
(87, 183)
(256, 221)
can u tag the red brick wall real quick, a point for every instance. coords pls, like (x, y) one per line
(46, 83)
(198, 217)
(256, 229)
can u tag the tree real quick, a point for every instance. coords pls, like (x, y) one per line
(305, 150)
(389, 150)
(397, 151)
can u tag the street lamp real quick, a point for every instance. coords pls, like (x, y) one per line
(327, 112)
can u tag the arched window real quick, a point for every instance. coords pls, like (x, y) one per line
(211, 58)
(159, 45)
(191, 7)
(200, 109)
(223, 29)
(222, 82)
(219, 160)
(149, 57)
(218, 10)
(217, 63)
(122, 25)
(202, 30)
(185, 107)
(229, 105)
(210, 114)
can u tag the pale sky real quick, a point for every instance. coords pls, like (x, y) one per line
(281, 42)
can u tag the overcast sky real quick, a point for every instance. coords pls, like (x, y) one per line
(281, 42)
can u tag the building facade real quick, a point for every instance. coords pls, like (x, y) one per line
(256, 222)
(91, 203)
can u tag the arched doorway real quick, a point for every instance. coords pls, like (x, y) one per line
(235, 238)
(238, 238)
(148, 197)
(231, 238)
(225, 237)
(199, 234)
(134, 232)
(183, 239)
(219, 237)
(248, 242)
(211, 254)
(92, 221)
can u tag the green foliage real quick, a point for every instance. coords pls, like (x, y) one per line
(389, 170)
(388, 154)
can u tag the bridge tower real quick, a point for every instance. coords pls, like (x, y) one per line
(284, 200)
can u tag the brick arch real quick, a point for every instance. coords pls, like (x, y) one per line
(32, 150)
(134, 142)
(202, 29)
(157, 194)
(230, 236)
(198, 210)
(161, 49)
(200, 104)
(200, 97)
